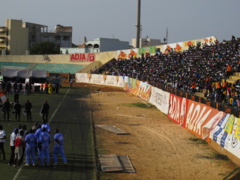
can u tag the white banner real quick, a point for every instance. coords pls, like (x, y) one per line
(121, 81)
(82, 77)
(160, 99)
(217, 133)
(227, 139)
(97, 79)
(232, 143)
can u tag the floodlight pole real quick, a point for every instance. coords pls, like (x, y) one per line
(138, 24)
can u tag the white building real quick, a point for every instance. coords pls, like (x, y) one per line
(97, 45)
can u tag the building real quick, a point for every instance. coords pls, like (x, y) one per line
(145, 42)
(97, 45)
(62, 36)
(17, 37)
(106, 44)
(14, 38)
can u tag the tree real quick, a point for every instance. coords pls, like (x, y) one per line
(45, 48)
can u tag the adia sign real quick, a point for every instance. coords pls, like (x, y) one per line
(82, 57)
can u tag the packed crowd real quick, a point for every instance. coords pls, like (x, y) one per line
(202, 67)
(33, 144)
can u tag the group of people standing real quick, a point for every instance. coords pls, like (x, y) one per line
(33, 144)
(48, 88)
(27, 110)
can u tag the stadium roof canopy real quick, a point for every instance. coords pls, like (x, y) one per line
(11, 72)
(49, 68)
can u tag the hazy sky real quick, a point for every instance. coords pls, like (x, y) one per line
(185, 19)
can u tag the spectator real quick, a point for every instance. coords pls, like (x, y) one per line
(6, 109)
(45, 111)
(28, 110)
(2, 141)
(17, 111)
(12, 141)
(19, 145)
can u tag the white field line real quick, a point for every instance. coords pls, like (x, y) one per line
(20, 169)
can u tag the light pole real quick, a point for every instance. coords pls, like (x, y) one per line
(138, 24)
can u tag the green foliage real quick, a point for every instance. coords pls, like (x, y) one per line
(197, 140)
(45, 48)
(140, 105)
(74, 45)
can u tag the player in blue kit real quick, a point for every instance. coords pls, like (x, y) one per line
(31, 142)
(44, 140)
(46, 125)
(37, 134)
(58, 148)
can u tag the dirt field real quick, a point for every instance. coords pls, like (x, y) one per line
(158, 148)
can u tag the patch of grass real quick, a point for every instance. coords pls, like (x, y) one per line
(220, 156)
(215, 156)
(140, 105)
(199, 141)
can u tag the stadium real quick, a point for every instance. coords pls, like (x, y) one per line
(162, 112)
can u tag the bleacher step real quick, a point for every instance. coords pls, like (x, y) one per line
(236, 74)
(234, 77)
(231, 80)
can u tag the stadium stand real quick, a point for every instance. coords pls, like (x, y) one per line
(210, 70)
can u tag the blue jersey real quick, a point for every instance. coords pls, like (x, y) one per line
(45, 139)
(47, 126)
(37, 133)
(30, 140)
(59, 138)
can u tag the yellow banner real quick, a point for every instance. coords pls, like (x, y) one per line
(229, 125)
(237, 133)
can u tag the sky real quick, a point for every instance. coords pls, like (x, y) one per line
(184, 19)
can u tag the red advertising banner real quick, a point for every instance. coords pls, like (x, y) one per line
(82, 57)
(177, 109)
(201, 119)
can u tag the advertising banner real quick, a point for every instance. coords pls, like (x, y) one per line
(201, 119)
(114, 80)
(217, 133)
(125, 87)
(149, 50)
(127, 54)
(120, 81)
(226, 134)
(177, 109)
(209, 40)
(160, 99)
(82, 77)
(110, 80)
(177, 47)
(189, 43)
(97, 79)
(232, 143)
(144, 90)
(82, 57)
(134, 84)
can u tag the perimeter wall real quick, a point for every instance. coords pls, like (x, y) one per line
(220, 128)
